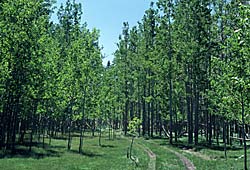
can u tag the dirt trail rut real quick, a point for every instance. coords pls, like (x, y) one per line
(186, 162)
(152, 157)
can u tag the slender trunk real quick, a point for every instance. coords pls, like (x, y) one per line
(139, 104)
(217, 131)
(170, 115)
(1, 129)
(100, 136)
(148, 104)
(191, 117)
(243, 130)
(110, 132)
(81, 139)
(125, 120)
(69, 135)
(144, 112)
(230, 133)
(43, 131)
(207, 124)
(225, 138)
(157, 119)
(210, 130)
(31, 134)
(130, 149)
(93, 127)
(227, 133)
(189, 113)
(9, 120)
(13, 143)
(160, 124)
(50, 131)
(170, 72)
(113, 130)
(240, 134)
(50, 136)
(148, 119)
(196, 115)
(32, 121)
(22, 133)
(176, 128)
(39, 129)
(214, 126)
(152, 116)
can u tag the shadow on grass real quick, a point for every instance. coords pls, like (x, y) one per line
(57, 147)
(108, 146)
(86, 153)
(60, 137)
(200, 146)
(38, 151)
(25, 153)
(205, 146)
(158, 137)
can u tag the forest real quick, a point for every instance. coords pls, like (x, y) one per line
(181, 76)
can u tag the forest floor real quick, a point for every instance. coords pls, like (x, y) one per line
(152, 154)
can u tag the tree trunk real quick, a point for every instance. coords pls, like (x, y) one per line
(217, 130)
(196, 115)
(13, 143)
(81, 139)
(176, 127)
(144, 112)
(243, 130)
(100, 136)
(152, 115)
(148, 105)
(31, 134)
(43, 131)
(93, 127)
(69, 135)
(225, 138)
(210, 130)
(130, 149)
(125, 120)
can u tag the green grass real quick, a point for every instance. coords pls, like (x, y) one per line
(111, 156)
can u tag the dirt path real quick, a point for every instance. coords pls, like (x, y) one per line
(186, 162)
(152, 157)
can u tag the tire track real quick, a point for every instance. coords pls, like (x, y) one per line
(186, 162)
(152, 157)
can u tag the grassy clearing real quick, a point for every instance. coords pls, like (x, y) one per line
(111, 156)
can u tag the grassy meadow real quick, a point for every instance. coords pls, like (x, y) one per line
(112, 155)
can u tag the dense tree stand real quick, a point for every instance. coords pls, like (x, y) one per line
(183, 72)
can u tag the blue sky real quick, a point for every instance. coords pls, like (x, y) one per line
(108, 16)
